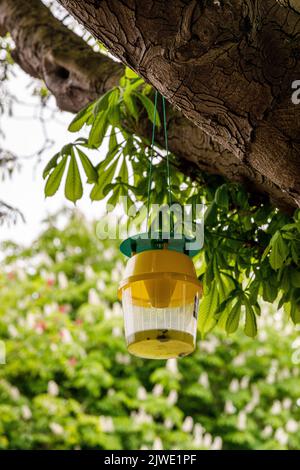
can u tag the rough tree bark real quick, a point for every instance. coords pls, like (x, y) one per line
(227, 66)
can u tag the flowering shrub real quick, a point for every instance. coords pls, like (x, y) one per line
(69, 383)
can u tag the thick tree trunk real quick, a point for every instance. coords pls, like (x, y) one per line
(226, 65)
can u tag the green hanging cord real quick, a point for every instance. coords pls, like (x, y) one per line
(151, 156)
(168, 163)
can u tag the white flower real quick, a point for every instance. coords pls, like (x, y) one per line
(285, 373)
(157, 444)
(50, 308)
(122, 358)
(66, 336)
(141, 417)
(198, 441)
(117, 309)
(62, 280)
(207, 440)
(262, 335)
(292, 426)
(203, 380)
(260, 352)
(82, 336)
(56, 428)
(26, 412)
(93, 297)
(89, 273)
(12, 330)
(115, 275)
(239, 360)
(158, 390)
(244, 382)
(101, 285)
(276, 408)
(217, 443)
(59, 257)
(141, 393)
(234, 386)
(230, 409)
(107, 314)
(172, 397)
(172, 366)
(281, 436)
(15, 394)
(207, 346)
(30, 320)
(296, 343)
(117, 332)
(242, 421)
(168, 423)
(188, 424)
(107, 424)
(271, 378)
(287, 403)
(53, 388)
(198, 430)
(267, 431)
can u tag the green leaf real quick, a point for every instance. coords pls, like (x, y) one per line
(233, 319)
(73, 186)
(149, 106)
(113, 143)
(66, 150)
(221, 197)
(97, 193)
(130, 105)
(124, 171)
(98, 129)
(269, 291)
(89, 169)
(295, 276)
(130, 73)
(51, 164)
(81, 118)
(106, 175)
(210, 216)
(208, 306)
(250, 323)
(103, 102)
(279, 251)
(295, 313)
(54, 179)
(293, 310)
(114, 115)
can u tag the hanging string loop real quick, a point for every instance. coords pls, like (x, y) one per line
(168, 177)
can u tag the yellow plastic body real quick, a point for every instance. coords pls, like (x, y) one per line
(163, 282)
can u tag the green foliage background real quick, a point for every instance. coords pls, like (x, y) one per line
(69, 383)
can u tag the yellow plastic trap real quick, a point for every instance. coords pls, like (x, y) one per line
(160, 295)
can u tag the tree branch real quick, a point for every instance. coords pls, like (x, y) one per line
(48, 50)
(76, 74)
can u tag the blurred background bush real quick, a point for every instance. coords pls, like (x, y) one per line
(68, 382)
